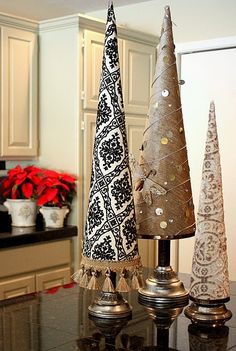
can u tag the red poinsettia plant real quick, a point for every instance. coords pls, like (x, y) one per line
(21, 183)
(56, 189)
(48, 187)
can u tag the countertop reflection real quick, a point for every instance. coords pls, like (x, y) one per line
(57, 319)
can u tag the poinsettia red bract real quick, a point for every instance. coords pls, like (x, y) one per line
(21, 183)
(49, 187)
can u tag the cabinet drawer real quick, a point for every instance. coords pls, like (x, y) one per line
(52, 278)
(23, 260)
(17, 286)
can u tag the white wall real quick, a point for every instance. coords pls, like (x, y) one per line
(58, 100)
(195, 20)
(210, 75)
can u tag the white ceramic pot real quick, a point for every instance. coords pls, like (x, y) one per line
(54, 216)
(23, 212)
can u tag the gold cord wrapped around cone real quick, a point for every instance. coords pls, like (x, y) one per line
(163, 196)
(210, 277)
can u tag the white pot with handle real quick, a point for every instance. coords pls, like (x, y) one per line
(23, 212)
(54, 216)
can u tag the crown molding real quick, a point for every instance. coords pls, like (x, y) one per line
(91, 23)
(59, 23)
(18, 22)
(80, 21)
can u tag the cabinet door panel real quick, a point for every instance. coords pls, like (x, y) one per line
(16, 287)
(52, 278)
(138, 71)
(18, 330)
(18, 93)
(93, 53)
(135, 127)
(19, 260)
(89, 135)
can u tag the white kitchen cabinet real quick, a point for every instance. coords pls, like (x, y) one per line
(17, 286)
(18, 91)
(137, 61)
(53, 277)
(35, 267)
(18, 330)
(138, 71)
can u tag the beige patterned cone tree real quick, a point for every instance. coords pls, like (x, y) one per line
(163, 195)
(210, 277)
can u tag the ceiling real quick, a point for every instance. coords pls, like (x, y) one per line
(46, 9)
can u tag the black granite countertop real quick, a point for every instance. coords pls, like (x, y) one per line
(31, 235)
(15, 236)
(57, 319)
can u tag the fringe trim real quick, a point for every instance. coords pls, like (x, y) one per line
(107, 285)
(78, 275)
(122, 285)
(135, 282)
(93, 284)
(130, 275)
(84, 280)
(114, 266)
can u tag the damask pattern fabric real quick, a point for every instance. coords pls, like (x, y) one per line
(210, 277)
(110, 232)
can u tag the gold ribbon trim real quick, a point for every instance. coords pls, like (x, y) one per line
(130, 265)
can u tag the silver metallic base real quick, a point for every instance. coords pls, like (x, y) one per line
(163, 317)
(164, 288)
(110, 327)
(212, 316)
(110, 305)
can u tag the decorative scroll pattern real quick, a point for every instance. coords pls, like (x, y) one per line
(210, 278)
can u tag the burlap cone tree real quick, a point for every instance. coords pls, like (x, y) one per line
(110, 243)
(210, 277)
(163, 195)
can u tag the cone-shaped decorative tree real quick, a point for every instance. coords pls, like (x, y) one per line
(163, 196)
(110, 244)
(210, 278)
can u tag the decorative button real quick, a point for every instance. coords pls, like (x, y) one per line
(163, 225)
(165, 93)
(159, 211)
(164, 141)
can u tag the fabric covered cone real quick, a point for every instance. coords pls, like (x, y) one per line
(210, 278)
(163, 195)
(110, 243)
